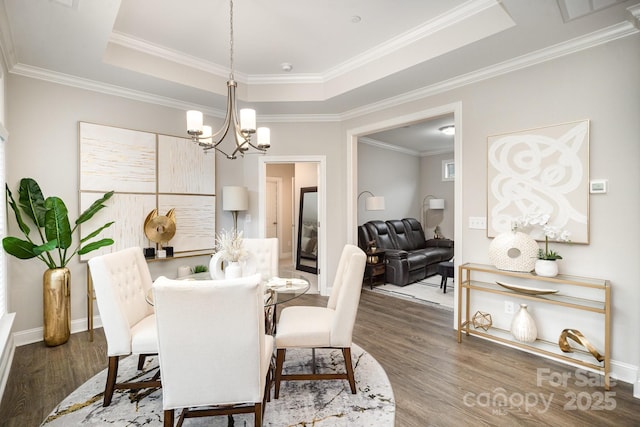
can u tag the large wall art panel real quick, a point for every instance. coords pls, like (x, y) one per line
(128, 211)
(544, 170)
(195, 218)
(121, 160)
(184, 167)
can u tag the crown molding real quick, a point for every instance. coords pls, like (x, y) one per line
(634, 15)
(452, 17)
(385, 146)
(577, 44)
(7, 49)
(108, 89)
(605, 35)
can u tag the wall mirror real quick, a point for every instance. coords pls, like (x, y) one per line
(307, 253)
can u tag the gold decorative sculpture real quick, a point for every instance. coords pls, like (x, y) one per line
(160, 228)
(482, 320)
(577, 336)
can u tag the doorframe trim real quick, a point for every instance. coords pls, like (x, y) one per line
(378, 126)
(322, 208)
(278, 181)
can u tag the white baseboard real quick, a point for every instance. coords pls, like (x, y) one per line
(636, 388)
(35, 335)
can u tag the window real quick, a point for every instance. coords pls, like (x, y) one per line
(448, 170)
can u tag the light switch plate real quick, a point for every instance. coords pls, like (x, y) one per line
(478, 222)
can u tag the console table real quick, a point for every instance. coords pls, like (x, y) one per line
(589, 296)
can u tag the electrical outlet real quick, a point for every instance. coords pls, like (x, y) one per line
(508, 307)
(478, 222)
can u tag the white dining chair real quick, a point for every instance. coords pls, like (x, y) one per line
(214, 353)
(324, 327)
(121, 281)
(264, 254)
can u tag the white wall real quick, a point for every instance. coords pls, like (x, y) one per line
(600, 84)
(393, 175)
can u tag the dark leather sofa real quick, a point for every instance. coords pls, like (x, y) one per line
(410, 256)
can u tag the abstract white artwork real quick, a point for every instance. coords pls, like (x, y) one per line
(195, 221)
(544, 170)
(186, 169)
(128, 211)
(121, 160)
(146, 171)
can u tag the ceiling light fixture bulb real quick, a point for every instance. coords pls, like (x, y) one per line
(448, 130)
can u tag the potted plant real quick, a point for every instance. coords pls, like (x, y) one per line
(54, 247)
(546, 263)
(229, 249)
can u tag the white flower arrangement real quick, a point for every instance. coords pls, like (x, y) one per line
(229, 245)
(541, 220)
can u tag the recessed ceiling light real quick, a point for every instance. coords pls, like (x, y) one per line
(355, 19)
(286, 67)
(448, 130)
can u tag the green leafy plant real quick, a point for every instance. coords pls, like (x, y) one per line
(50, 216)
(200, 269)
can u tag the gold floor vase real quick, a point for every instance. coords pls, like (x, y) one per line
(57, 306)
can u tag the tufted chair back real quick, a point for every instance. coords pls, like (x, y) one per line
(265, 254)
(216, 351)
(121, 281)
(345, 295)
(399, 235)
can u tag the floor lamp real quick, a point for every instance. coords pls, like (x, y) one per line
(431, 203)
(235, 199)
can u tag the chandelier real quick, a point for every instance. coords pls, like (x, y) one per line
(242, 129)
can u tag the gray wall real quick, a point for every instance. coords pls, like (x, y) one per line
(391, 174)
(432, 184)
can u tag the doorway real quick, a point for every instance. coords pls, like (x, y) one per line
(306, 171)
(352, 166)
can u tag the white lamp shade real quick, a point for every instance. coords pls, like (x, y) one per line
(374, 203)
(248, 120)
(194, 121)
(235, 198)
(264, 137)
(436, 203)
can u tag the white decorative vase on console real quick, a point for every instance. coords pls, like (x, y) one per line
(523, 327)
(513, 251)
(233, 270)
(546, 268)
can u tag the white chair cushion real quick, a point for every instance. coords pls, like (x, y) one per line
(302, 326)
(144, 336)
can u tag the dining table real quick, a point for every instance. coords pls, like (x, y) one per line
(285, 287)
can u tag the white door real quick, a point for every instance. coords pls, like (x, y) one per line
(272, 208)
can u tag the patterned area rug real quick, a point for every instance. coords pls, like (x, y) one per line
(301, 403)
(426, 291)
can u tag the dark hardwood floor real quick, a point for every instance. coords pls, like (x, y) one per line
(436, 381)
